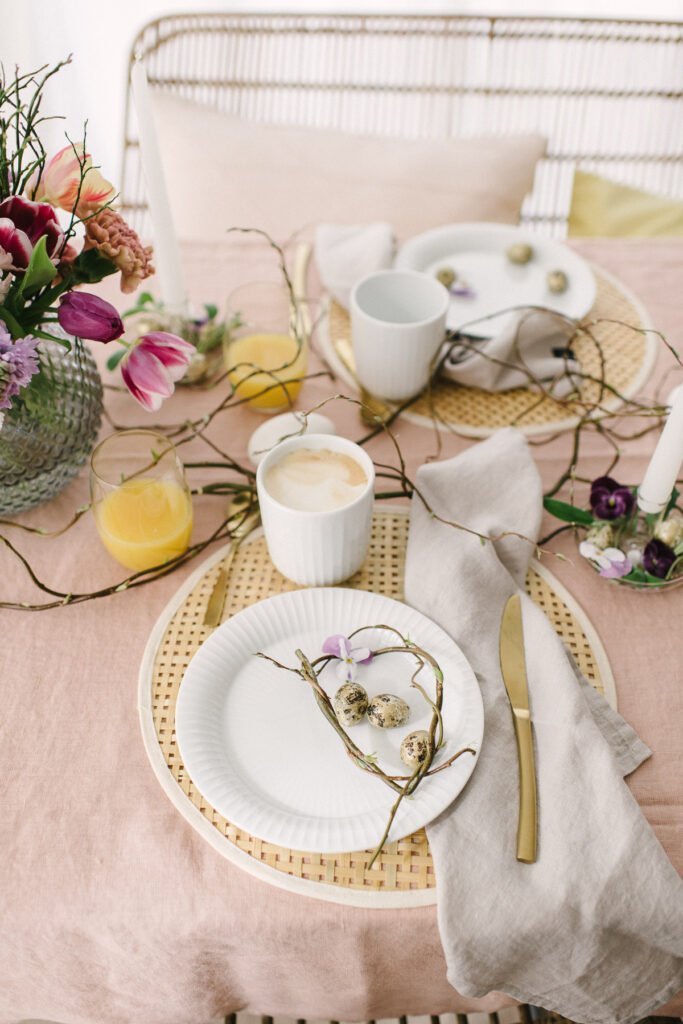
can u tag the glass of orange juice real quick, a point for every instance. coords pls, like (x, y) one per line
(266, 353)
(140, 498)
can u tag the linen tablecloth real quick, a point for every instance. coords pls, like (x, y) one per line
(112, 908)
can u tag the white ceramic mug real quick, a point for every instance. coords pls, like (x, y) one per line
(398, 323)
(317, 548)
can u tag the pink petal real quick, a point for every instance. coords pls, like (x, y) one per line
(361, 655)
(333, 645)
(146, 378)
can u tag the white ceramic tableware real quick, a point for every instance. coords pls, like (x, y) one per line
(316, 548)
(398, 323)
(278, 428)
(255, 743)
(477, 254)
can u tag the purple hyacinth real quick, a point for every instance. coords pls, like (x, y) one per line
(610, 500)
(18, 364)
(658, 558)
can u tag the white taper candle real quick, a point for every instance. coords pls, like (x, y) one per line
(166, 251)
(665, 464)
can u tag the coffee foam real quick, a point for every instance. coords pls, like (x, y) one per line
(316, 480)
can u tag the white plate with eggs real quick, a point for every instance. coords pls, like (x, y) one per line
(258, 748)
(479, 255)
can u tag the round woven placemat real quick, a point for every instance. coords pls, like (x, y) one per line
(628, 360)
(405, 867)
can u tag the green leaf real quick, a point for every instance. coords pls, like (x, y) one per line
(90, 267)
(115, 358)
(568, 513)
(11, 323)
(211, 310)
(40, 271)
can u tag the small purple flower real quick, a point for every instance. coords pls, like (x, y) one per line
(340, 647)
(89, 316)
(658, 558)
(610, 500)
(18, 364)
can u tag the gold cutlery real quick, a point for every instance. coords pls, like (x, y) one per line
(373, 410)
(513, 668)
(214, 608)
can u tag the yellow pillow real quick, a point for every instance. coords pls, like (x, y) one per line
(603, 209)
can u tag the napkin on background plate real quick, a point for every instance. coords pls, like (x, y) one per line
(532, 343)
(344, 254)
(594, 929)
(533, 340)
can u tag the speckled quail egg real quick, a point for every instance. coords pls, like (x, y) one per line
(520, 252)
(446, 275)
(415, 748)
(385, 711)
(557, 281)
(350, 704)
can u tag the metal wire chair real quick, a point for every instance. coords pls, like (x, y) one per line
(608, 95)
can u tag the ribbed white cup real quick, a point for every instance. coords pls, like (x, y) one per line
(398, 323)
(317, 548)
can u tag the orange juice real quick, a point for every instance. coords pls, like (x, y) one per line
(145, 522)
(266, 352)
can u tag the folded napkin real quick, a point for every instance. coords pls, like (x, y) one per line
(531, 341)
(344, 254)
(594, 929)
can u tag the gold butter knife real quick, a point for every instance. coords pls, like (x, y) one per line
(214, 608)
(513, 667)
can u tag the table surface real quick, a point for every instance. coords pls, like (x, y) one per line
(114, 908)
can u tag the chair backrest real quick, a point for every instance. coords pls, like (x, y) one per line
(607, 95)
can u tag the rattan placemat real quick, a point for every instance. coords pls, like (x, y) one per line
(628, 360)
(404, 869)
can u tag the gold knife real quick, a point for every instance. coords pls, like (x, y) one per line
(513, 667)
(214, 608)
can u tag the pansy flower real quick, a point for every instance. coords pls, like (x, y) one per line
(339, 646)
(609, 499)
(613, 563)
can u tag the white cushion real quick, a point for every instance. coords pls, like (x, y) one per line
(223, 171)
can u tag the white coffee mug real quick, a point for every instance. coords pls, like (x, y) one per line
(398, 323)
(317, 548)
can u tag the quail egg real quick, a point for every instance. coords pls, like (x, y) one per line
(385, 711)
(350, 704)
(415, 748)
(520, 252)
(446, 275)
(557, 281)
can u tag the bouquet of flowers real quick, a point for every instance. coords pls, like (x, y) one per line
(59, 231)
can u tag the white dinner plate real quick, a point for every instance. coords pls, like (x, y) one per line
(476, 252)
(255, 743)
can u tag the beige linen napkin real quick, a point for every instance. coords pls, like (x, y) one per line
(533, 343)
(345, 253)
(594, 929)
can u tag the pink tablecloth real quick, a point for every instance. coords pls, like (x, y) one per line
(113, 908)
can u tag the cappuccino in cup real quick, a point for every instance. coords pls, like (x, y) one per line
(315, 494)
(316, 480)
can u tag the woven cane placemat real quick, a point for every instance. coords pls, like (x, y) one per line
(404, 873)
(628, 361)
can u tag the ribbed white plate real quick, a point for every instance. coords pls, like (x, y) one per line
(476, 252)
(260, 751)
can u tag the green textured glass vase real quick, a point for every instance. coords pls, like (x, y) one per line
(46, 438)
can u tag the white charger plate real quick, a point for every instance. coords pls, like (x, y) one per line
(258, 748)
(476, 252)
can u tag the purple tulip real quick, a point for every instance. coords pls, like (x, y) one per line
(152, 366)
(87, 316)
(610, 500)
(658, 558)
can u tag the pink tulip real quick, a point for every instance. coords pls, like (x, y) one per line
(152, 366)
(59, 182)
